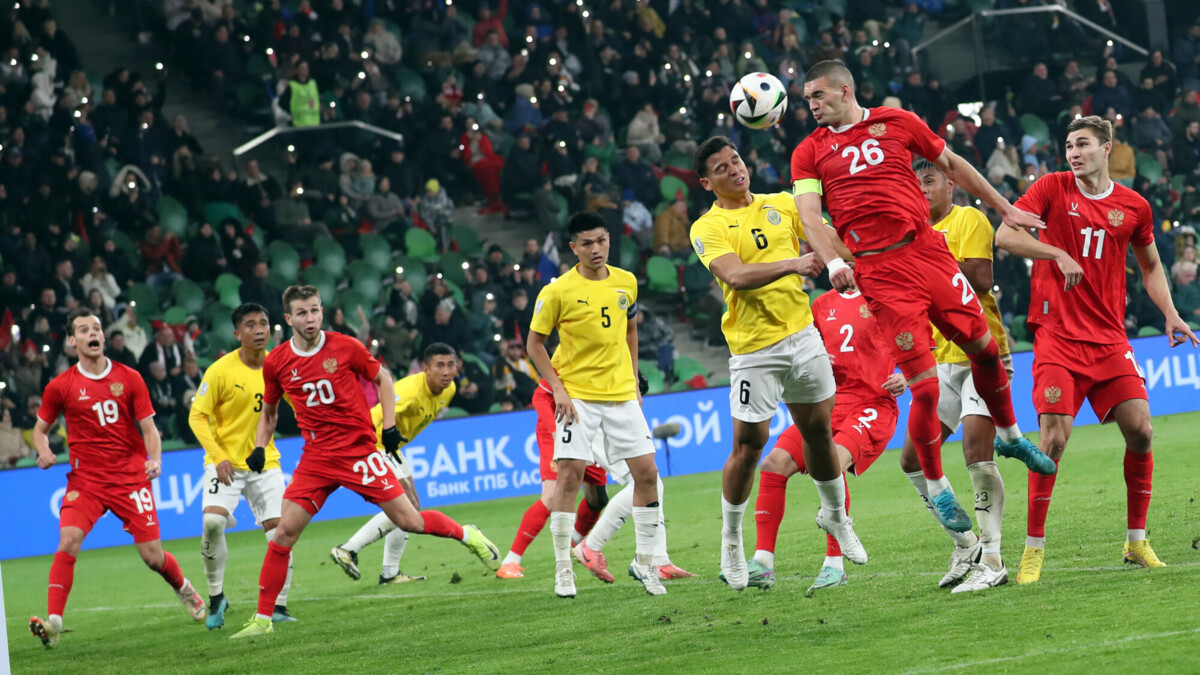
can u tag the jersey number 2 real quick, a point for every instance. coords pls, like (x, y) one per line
(869, 153)
(967, 294)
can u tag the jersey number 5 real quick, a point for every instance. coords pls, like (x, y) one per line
(869, 153)
(319, 392)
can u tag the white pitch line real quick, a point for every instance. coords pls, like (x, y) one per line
(967, 665)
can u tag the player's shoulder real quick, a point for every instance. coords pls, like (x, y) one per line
(223, 365)
(1129, 196)
(715, 217)
(964, 217)
(124, 373)
(621, 277)
(783, 201)
(409, 384)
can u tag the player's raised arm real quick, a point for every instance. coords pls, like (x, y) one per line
(153, 447)
(1154, 278)
(1021, 243)
(962, 173)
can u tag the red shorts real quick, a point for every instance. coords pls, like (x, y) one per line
(84, 503)
(366, 471)
(543, 403)
(862, 428)
(909, 287)
(1067, 371)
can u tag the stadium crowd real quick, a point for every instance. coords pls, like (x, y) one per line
(520, 109)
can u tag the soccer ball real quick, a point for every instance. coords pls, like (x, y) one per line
(758, 100)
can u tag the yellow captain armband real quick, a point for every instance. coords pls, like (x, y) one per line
(805, 186)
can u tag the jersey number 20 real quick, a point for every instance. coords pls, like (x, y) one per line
(319, 393)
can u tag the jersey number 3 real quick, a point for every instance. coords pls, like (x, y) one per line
(869, 153)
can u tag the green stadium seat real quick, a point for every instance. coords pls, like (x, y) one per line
(453, 412)
(191, 298)
(277, 279)
(184, 286)
(468, 357)
(1036, 127)
(721, 382)
(227, 281)
(1023, 346)
(230, 297)
(662, 275)
(1148, 331)
(669, 186)
(280, 247)
(176, 316)
(325, 282)
(686, 368)
(350, 300)
(655, 380)
(1018, 329)
(218, 318)
(467, 239)
(215, 212)
(451, 265)
(146, 299)
(564, 209)
(421, 245)
(629, 254)
(680, 386)
(368, 284)
(26, 462)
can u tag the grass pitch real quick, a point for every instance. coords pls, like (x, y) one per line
(1089, 612)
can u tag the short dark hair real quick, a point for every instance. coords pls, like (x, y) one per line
(708, 148)
(437, 349)
(245, 309)
(1101, 128)
(298, 292)
(113, 335)
(585, 221)
(80, 313)
(835, 71)
(923, 164)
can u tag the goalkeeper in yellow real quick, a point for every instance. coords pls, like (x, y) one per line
(224, 418)
(420, 399)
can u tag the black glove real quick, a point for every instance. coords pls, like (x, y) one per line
(391, 440)
(643, 383)
(257, 460)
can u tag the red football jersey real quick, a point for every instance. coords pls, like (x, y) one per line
(862, 361)
(323, 388)
(866, 175)
(1096, 232)
(102, 415)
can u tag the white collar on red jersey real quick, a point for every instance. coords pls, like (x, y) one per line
(844, 127)
(850, 296)
(103, 374)
(1103, 195)
(320, 343)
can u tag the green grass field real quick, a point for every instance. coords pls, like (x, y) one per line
(1089, 613)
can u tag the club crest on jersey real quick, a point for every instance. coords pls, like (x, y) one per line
(864, 312)
(83, 395)
(877, 130)
(622, 299)
(905, 340)
(116, 388)
(1116, 217)
(1053, 394)
(329, 365)
(773, 217)
(71, 496)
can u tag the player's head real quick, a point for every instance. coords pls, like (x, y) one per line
(938, 188)
(439, 365)
(302, 310)
(720, 168)
(589, 239)
(1089, 142)
(85, 334)
(829, 90)
(251, 325)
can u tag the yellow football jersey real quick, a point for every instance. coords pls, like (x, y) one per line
(226, 411)
(768, 230)
(969, 235)
(592, 358)
(416, 407)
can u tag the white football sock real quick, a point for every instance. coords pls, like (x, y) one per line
(393, 550)
(561, 524)
(372, 531)
(935, 487)
(281, 600)
(731, 517)
(766, 558)
(961, 539)
(1135, 535)
(834, 561)
(645, 525)
(661, 557)
(833, 498)
(618, 510)
(511, 558)
(1035, 542)
(989, 505)
(1008, 434)
(214, 552)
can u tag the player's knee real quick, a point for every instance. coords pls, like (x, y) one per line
(600, 499)
(1139, 436)
(1055, 441)
(70, 541)
(154, 559)
(774, 463)
(214, 524)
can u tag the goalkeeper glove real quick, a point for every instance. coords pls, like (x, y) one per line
(257, 460)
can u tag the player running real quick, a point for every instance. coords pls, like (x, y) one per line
(106, 405)
(859, 162)
(750, 243)
(863, 421)
(969, 238)
(595, 393)
(1077, 305)
(319, 372)
(420, 399)
(224, 418)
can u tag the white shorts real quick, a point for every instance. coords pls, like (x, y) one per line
(794, 370)
(401, 464)
(957, 397)
(606, 432)
(263, 492)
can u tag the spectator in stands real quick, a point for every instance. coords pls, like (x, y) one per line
(474, 390)
(68, 291)
(164, 395)
(671, 229)
(385, 208)
(826, 49)
(632, 174)
(644, 134)
(32, 261)
(99, 279)
(293, 221)
(338, 323)
(1187, 149)
(1122, 163)
(1151, 134)
(384, 46)
(13, 297)
(95, 302)
(1149, 96)
(436, 209)
(519, 315)
(1112, 94)
(485, 164)
(31, 374)
(205, 259)
(258, 290)
(637, 220)
(12, 446)
(494, 56)
(164, 350)
(397, 343)
(545, 207)
(514, 374)
(132, 332)
(1039, 96)
(1186, 56)
(240, 251)
(257, 192)
(301, 99)
(189, 380)
(1073, 85)
(448, 326)
(116, 349)
(161, 255)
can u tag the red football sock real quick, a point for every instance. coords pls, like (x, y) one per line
(1139, 469)
(585, 518)
(1040, 488)
(62, 575)
(171, 572)
(992, 383)
(832, 549)
(273, 576)
(531, 524)
(925, 428)
(440, 525)
(769, 508)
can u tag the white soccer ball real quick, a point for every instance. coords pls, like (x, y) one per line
(758, 100)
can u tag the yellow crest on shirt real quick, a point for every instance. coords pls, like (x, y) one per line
(905, 340)
(116, 388)
(329, 365)
(71, 496)
(1054, 394)
(864, 312)
(1116, 217)
(878, 129)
